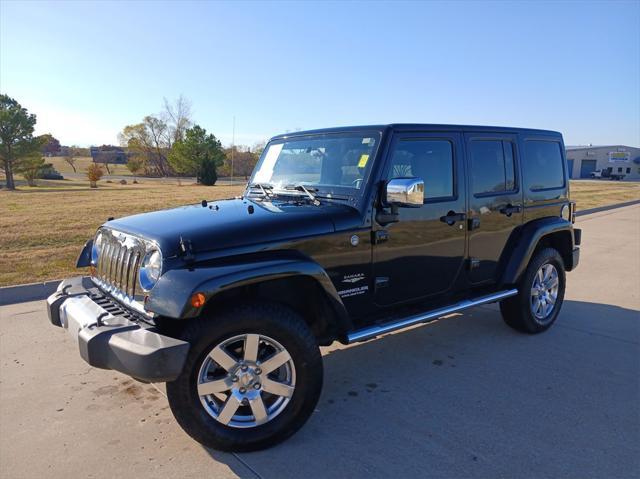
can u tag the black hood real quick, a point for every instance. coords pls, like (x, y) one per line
(236, 223)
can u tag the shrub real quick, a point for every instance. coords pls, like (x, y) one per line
(207, 174)
(94, 173)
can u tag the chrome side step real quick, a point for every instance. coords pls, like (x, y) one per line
(373, 331)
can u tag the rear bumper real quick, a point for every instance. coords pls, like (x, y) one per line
(110, 337)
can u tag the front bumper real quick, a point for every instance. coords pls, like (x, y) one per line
(110, 336)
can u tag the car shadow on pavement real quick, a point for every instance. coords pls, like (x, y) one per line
(467, 395)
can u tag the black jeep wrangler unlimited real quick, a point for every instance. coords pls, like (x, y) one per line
(342, 234)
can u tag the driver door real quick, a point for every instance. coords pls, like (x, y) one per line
(422, 254)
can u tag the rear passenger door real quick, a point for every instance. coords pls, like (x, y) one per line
(495, 200)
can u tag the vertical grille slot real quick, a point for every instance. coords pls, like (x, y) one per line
(109, 262)
(124, 274)
(133, 276)
(121, 266)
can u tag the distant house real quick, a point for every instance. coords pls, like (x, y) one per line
(109, 154)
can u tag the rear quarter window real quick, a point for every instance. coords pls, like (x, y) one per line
(543, 164)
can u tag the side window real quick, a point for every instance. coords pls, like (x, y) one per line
(431, 160)
(492, 165)
(543, 164)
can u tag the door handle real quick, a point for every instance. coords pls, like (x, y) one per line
(451, 217)
(510, 209)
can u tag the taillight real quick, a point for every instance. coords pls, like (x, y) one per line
(572, 211)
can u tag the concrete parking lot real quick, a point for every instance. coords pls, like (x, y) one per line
(462, 397)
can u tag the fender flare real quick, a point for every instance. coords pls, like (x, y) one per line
(170, 297)
(526, 242)
(84, 259)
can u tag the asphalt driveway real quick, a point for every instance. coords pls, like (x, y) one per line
(462, 397)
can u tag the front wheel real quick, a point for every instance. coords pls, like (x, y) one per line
(540, 294)
(252, 378)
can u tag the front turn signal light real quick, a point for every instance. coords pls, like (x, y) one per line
(198, 300)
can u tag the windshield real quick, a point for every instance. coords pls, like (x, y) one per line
(329, 164)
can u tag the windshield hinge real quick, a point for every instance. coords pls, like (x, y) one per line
(186, 250)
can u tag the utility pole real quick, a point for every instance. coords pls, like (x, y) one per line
(233, 145)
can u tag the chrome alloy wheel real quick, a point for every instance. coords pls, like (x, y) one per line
(544, 292)
(246, 380)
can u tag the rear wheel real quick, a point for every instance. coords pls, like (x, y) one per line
(540, 294)
(252, 378)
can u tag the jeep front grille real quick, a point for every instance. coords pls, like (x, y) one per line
(118, 267)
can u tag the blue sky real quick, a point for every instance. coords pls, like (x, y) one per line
(88, 69)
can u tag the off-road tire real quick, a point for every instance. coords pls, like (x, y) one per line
(517, 312)
(274, 321)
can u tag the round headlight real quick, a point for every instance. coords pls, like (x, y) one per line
(565, 212)
(96, 248)
(150, 269)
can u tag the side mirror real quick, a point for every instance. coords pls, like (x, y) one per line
(405, 192)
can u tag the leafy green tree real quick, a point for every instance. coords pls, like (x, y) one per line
(16, 136)
(135, 164)
(31, 166)
(199, 154)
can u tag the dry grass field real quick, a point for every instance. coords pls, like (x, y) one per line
(42, 229)
(81, 166)
(593, 193)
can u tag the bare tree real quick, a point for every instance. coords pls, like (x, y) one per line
(153, 138)
(244, 160)
(149, 139)
(104, 158)
(177, 116)
(70, 159)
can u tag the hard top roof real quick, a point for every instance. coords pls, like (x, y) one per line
(419, 127)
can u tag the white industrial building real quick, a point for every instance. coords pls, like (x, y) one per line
(582, 160)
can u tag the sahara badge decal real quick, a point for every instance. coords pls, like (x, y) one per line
(352, 279)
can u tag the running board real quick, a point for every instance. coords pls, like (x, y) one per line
(373, 331)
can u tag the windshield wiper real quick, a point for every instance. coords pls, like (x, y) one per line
(264, 188)
(304, 189)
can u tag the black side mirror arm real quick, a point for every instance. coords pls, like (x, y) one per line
(384, 218)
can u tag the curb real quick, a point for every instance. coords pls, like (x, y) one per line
(606, 208)
(22, 293)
